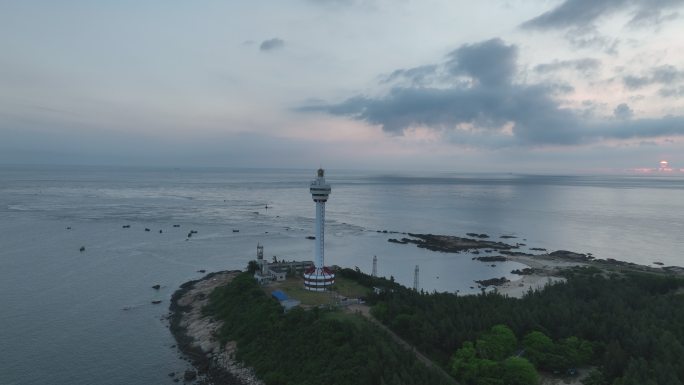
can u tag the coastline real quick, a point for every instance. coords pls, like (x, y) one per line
(194, 333)
(546, 271)
(215, 364)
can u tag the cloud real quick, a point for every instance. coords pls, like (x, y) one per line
(488, 108)
(490, 62)
(583, 13)
(672, 92)
(645, 18)
(271, 44)
(665, 74)
(416, 76)
(589, 37)
(572, 13)
(585, 66)
(622, 111)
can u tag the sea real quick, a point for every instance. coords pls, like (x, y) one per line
(86, 317)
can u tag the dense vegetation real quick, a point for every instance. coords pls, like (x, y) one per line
(311, 347)
(631, 327)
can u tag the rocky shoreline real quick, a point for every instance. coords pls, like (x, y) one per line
(194, 334)
(542, 269)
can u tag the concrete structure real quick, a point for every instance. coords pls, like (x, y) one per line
(277, 271)
(319, 278)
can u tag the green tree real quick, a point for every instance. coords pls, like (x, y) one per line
(497, 344)
(577, 351)
(463, 363)
(537, 347)
(519, 371)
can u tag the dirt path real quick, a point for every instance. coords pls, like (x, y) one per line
(365, 311)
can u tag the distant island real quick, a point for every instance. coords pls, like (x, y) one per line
(575, 318)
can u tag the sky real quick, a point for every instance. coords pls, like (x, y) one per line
(569, 86)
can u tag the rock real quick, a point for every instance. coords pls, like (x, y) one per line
(569, 255)
(172, 374)
(68, 227)
(176, 225)
(517, 253)
(156, 287)
(493, 281)
(156, 302)
(126, 226)
(236, 230)
(538, 249)
(82, 249)
(189, 375)
(492, 258)
(201, 271)
(160, 231)
(310, 237)
(508, 236)
(525, 271)
(476, 235)
(146, 229)
(451, 244)
(658, 263)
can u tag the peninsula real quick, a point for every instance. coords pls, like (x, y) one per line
(234, 332)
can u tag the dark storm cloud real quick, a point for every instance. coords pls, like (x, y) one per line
(271, 44)
(586, 65)
(582, 13)
(665, 74)
(491, 109)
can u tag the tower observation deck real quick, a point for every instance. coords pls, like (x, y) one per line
(319, 277)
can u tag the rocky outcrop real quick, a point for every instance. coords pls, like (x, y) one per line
(195, 333)
(492, 281)
(570, 256)
(492, 258)
(451, 244)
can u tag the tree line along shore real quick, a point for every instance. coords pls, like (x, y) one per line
(598, 326)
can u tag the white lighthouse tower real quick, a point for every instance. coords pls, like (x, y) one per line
(319, 277)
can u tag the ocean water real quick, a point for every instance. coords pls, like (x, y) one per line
(71, 317)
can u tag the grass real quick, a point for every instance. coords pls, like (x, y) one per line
(349, 288)
(294, 288)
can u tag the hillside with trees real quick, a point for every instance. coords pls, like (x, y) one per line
(629, 327)
(310, 347)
